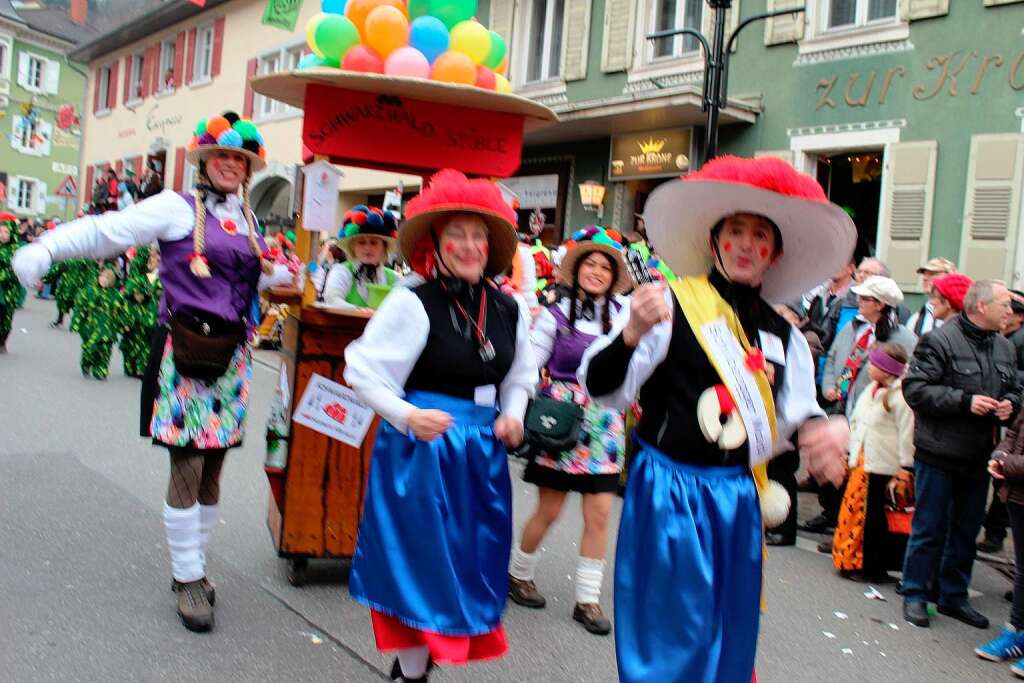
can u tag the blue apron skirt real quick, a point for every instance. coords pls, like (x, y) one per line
(436, 531)
(687, 573)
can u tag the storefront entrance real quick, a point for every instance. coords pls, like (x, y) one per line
(853, 180)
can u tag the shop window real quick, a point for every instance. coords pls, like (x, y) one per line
(672, 14)
(135, 77)
(203, 65)
(285, 59)
(853, 13)
(544, 40)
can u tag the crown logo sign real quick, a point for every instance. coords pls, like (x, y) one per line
(651, 146)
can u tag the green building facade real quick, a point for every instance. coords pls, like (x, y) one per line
(909, 112)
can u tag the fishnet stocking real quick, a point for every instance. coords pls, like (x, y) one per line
(195, 476)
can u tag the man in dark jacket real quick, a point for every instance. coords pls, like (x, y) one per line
(962, 385)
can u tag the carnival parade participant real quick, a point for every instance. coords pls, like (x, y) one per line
(447, 364)
(597, 275)
(881, 453)
(11, 291)
(723, 382)
(367, 236)
(196, 389)
(139, 312)
(101, 307)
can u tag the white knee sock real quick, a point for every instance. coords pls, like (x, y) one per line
(208, 516)
(413, 661)
(524, 565)
(182, 527)
(589, 574)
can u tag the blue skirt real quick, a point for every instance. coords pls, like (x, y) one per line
(687, 573)
(436, 532)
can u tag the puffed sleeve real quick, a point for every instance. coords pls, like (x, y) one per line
(797, 399)
(165, 216)
(542, 336)
(521, 381)
(339, 283)
(613, 373)
(379, 363)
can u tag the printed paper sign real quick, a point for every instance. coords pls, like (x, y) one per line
(333, 409)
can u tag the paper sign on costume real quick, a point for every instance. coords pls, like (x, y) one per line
(729, 357)
(333, 409)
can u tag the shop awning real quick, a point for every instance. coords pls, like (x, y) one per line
(666, 108)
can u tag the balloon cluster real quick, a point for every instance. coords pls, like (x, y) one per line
(438, 40)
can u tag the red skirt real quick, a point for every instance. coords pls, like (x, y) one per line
(392, 634)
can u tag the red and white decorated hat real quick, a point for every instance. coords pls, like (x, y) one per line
(818, 237)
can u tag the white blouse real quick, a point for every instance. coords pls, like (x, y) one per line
(544, 331)
(340, 282)
(378, 364)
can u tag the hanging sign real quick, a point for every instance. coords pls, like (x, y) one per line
(320, 197)
(334, 410)
(397, 133)
(651, 154)
(283, 14)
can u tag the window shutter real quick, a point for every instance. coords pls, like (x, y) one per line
(13, 190)
(39, 198)
(51, 77)
(912, 10)
(119, 167)
(784, 29)
(575, 40)
(247, 105)
(190, 56)
(179, 168)
(23, 69)
(904, 231)
(218, 46)
(994, 3)
(112, 86)
(502, 17)
(46, 133)
(147, 71)
(784, 154)
(179, 59)
(617, 47)
(995, 173)
(127, 96)
(86, 189)
(155, 77)
(137, 167)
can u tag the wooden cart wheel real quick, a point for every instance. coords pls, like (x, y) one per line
(297, 570)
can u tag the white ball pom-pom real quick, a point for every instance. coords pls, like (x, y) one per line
(775, 504)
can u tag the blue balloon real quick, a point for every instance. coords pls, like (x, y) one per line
(429, 35)
(309, 61)
(333, 6)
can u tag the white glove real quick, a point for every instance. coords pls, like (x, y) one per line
(30, 264)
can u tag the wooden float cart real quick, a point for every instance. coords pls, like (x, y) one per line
(402, 125)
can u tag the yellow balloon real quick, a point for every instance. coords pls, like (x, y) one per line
(471, 39)
(311, 26)
(502, 84)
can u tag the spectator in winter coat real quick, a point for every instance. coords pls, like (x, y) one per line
(924, 319)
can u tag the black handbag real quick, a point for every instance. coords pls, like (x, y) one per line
(204, 346)
(551, 425)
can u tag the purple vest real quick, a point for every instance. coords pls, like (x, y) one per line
(568, 349)
(235, 270)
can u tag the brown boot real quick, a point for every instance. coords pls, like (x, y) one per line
(209, 587)
(593, 619)
(525, 593)
(193, 607)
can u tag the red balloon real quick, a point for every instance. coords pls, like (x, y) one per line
(362, 58)
(485, 78)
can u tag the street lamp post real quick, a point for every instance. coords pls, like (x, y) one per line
(716, 64)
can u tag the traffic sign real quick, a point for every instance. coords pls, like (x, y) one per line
(67, 188)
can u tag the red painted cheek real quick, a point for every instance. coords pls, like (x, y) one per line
(727, 246)
(764, 252)
(449, 248)
(487, 249)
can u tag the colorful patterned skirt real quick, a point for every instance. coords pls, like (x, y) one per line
(179, 411)
(432, 555)
(595, 464)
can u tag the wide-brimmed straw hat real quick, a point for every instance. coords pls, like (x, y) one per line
(450, 192)
(596, 238)
(231, 133)
(818, 237)
(367, 221)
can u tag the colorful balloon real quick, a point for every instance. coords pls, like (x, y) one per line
(311, 60)
(471, 39)
(333, 6)
(485, 78)
(498, 51)
(407, 61)
(386, 29)
(419, 8)
(359, 10)
(452, 12)
(363, 59)
(503, 86)
(503, 67)
(429, 35)
(333, 36)
(311, 26)
(454, 67)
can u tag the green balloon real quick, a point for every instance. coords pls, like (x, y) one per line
(498, 51)
(418, 8)
(335, 35)
(452, 12)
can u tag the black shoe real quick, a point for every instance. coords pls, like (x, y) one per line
(819, 525)
(916, 613)
(966, 614)
(56, 325)
(397, 675)
(593, 619)
(776, 539)
(825, 547)
(525, 593)
(990, 545)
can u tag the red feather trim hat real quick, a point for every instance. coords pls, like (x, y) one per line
(451, 192)
(818, 237)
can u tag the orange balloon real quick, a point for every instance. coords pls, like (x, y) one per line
(386, 30)
(454, 67)
(358, 10)
(503, 67)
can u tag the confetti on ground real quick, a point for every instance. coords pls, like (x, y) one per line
(313, 638)
(872, 593)
(829, 635)
(894, 627)
(841, 615)
(847, 651)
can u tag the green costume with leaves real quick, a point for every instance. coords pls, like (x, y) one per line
(11, 291)
(101, 309)
(72, 278)
(138, 318)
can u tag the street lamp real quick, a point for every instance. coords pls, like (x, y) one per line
(716, 64)
(592, 196)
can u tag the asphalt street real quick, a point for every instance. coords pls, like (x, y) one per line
(84, 572)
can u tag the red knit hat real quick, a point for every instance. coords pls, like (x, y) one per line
(953, 288)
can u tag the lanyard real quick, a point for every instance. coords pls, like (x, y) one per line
(486, 349)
